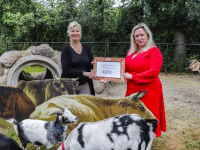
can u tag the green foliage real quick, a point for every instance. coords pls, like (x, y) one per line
(2, 51)
(98, 20)
(180, 66)
(12, 134)
(4, 124)
(34, 21)
(34, 69)
(48, 20)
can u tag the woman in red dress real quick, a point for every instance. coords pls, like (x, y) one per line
(142, 66)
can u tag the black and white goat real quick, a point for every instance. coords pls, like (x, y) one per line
(41, 132)
(124, 132)
(7, 143)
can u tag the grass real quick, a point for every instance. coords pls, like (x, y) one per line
(184, 138)
(34, 69)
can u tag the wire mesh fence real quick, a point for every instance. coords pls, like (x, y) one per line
(119, 49)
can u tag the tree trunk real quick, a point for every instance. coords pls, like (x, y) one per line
(180, 50)
(179, 36)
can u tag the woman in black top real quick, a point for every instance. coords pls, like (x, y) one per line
(76, 60)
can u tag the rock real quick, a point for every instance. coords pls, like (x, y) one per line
(25, 53)
(57, 58)
(98, 87)
(6, 71)
(1, 70)
(3, 80)
(42, 50)
(8, 59)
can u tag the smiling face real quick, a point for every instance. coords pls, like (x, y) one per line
(140, 37)
(75, 33)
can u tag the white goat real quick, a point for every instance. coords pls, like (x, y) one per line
(124, 132)
(41, 132)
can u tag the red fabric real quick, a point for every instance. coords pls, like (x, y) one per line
(63, 148)
(145, 68)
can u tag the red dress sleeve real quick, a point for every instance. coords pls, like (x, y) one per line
(155, 64)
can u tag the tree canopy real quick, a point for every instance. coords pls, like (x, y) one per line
(36, 21)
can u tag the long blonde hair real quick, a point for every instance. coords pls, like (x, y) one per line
(150, 43)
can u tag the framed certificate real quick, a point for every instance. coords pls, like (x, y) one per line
(109, 69)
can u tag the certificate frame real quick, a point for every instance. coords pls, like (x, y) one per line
(107, 60)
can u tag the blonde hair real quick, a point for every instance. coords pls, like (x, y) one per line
(71, 25)
(150, 43)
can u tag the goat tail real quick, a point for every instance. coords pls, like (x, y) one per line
(154, 123)
(14, 122)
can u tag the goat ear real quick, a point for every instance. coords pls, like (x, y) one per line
(59, 117)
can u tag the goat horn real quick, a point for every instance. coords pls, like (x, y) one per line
(135, 95)
(142, 94)
(61, 108)
(56, 112)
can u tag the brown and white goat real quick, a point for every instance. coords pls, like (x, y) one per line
(194, 65)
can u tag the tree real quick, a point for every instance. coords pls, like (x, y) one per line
(34, 21)
(180, 14)
(97, 19)
(170, 21)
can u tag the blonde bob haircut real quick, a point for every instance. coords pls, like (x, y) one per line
(71, 25)
(150, 43)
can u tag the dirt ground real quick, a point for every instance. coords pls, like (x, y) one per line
(182, 106)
